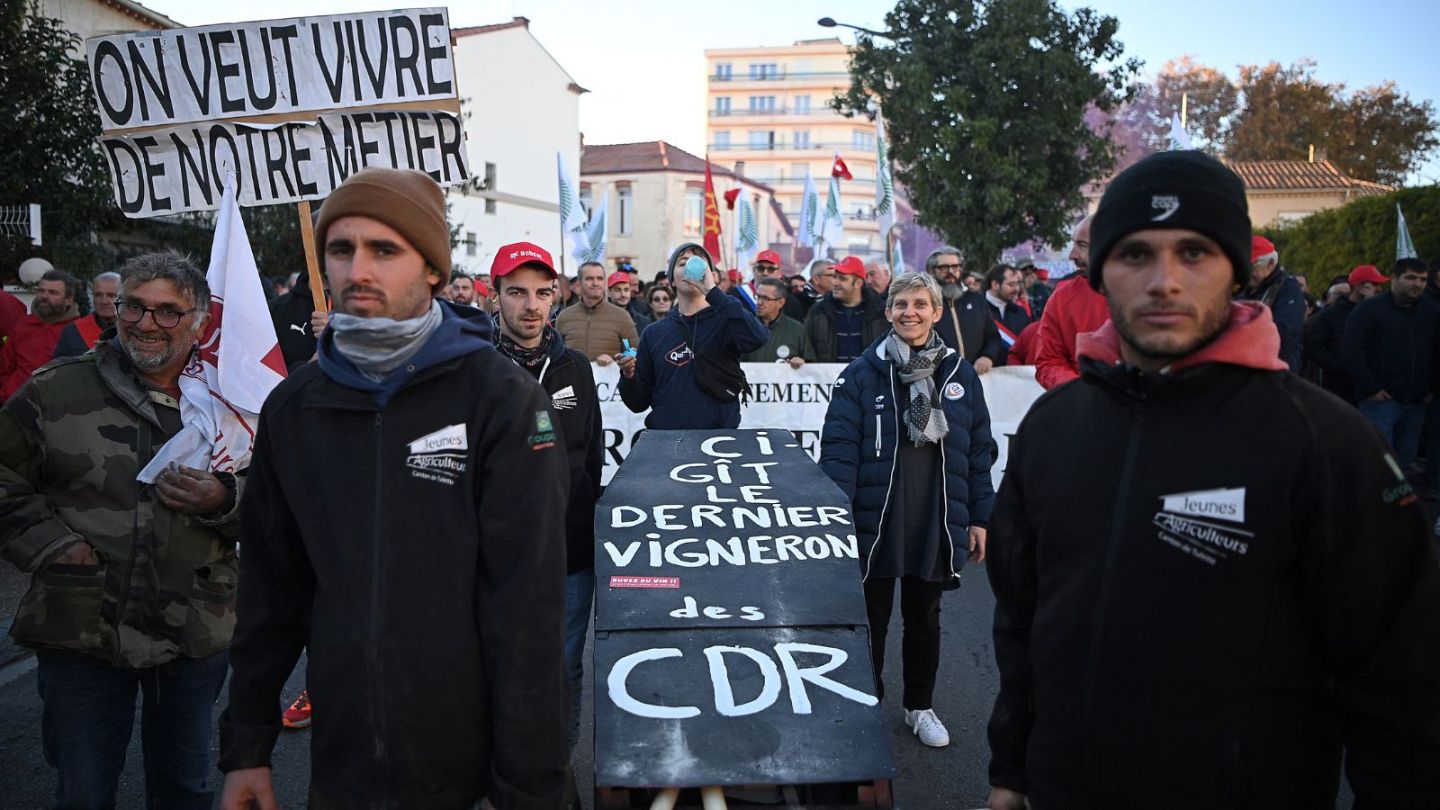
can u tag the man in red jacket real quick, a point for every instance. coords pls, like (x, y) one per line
(32, 343)
(1073, 310)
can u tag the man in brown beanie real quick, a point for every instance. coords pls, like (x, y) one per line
(389, 535)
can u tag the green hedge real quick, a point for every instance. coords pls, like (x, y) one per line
(1330, 243)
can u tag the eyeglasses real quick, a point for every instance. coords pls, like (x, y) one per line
(771, 298)
(948, 266)
(165, 317)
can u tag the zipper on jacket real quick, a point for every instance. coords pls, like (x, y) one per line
(877, 435)
(944, 492)
(1102, 601)
(894, 462)
(377, 679)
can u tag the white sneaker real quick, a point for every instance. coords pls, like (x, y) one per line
(927, 727)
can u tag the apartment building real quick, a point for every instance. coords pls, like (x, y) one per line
(770, 120)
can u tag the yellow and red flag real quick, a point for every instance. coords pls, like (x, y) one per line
(711, 242)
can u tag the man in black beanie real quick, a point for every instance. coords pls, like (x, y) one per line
(1202, 599)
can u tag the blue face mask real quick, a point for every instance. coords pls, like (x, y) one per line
(695, 268)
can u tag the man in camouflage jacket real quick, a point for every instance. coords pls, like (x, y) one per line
(133, 585)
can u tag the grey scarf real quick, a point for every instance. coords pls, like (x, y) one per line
(923, 416)
(378, 346)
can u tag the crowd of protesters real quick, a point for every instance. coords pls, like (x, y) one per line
(1193, 608)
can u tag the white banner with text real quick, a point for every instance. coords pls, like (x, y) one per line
(796, 400)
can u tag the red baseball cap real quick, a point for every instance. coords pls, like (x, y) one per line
(851, 266)
(617, 277)
(520, 254)
(1260, 246)
(768, 256)
(1042, 274)
(1364, 273)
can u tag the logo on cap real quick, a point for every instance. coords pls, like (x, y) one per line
(1167, 204)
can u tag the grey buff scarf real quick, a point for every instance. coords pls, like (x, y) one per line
(378, 346)
(923, 416)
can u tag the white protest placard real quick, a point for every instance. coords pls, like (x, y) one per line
(243, 70)
(796, 400)
(179, 169)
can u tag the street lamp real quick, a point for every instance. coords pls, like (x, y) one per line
(829, 22)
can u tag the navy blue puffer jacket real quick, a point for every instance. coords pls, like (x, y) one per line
(858, 446)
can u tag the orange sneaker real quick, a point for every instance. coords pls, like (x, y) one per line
(298, 715)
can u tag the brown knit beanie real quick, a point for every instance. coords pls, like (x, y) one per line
(406, 200)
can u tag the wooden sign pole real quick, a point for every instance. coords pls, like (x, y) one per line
(312, 264)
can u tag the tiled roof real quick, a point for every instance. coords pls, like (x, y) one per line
(650, 156)
(1301, 175)
(148, 16)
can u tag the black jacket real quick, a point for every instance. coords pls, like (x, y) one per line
(1324, 337)
(411, 535)
(290, 313)
(566, 376)
(820, 325)
(977, 327)
(664, 378)
(1282, 293)
(1391, 348)
(1206, 585)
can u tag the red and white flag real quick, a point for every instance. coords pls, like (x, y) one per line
(840, 170)
(236, 365)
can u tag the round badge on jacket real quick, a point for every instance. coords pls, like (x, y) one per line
(954, 391)
(782, 351)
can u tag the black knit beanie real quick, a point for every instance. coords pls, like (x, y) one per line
(1174, 190)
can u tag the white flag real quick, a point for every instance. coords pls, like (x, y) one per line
(747, 230)
(236, 366)
(884, 182)
(897, 259)
(831, 227)
(590, 240)
(809, 209)
(1179, 138)
(572, 215)
(1404, 248)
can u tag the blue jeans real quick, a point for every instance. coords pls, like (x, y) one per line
(1400, 423)
(579, 598)
(89, 710)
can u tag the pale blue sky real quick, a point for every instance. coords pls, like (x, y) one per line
(642, 59)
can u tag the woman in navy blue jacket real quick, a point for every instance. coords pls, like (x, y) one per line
(907, 437)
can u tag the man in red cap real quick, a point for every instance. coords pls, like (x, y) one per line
(767, 265)
(526, 280)
(844, 323)
(620, 294)
(1278, 290)
(1324, 332)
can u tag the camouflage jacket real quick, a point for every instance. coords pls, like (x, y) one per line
(71, 443)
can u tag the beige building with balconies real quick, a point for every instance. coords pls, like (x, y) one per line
(770, 120)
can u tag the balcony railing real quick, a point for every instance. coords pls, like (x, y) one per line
(779, 77)
(781, 146)
(739, 111)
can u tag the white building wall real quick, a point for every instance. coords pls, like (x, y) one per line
(521, 111)
(90, 18)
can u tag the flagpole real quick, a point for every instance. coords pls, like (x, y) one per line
(312, 265)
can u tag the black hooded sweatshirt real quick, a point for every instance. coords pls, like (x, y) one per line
(566, 376)
(409, 533)
(1208, 585)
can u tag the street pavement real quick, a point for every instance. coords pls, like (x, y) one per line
(949, 778)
